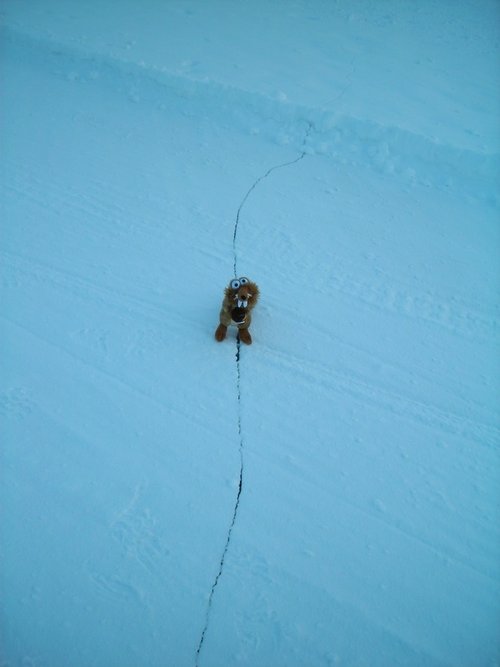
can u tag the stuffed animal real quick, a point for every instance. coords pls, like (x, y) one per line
(240, 297)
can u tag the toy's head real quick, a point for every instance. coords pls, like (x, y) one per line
(243, 293)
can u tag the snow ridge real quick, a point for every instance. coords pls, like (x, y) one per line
(394, 151)
(238, 392)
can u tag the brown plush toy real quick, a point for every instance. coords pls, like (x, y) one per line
(240, 297)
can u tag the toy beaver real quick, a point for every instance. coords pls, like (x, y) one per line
(240, 298)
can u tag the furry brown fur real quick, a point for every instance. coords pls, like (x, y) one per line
(248, 294)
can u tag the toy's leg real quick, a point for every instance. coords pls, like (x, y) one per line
(220, 332)
(245, 336)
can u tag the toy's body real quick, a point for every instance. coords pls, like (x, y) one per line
(240, 298)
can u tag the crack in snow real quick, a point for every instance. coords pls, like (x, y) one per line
(256, 183)
(238, 394)
(235, 510)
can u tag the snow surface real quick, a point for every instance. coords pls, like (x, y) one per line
(363, 420)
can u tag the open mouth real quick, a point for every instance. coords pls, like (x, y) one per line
(238, 315)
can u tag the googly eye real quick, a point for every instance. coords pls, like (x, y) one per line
(244, 281)
(235, 284)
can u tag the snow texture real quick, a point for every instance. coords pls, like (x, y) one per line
(329, 495)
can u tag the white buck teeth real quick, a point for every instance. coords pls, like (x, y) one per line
(242, 303)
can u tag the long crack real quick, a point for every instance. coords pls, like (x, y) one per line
(235, 510)
(238, 394)
(255, 184)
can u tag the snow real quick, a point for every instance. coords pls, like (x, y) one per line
(360, 144)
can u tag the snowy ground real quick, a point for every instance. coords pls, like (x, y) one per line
(366, 531)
